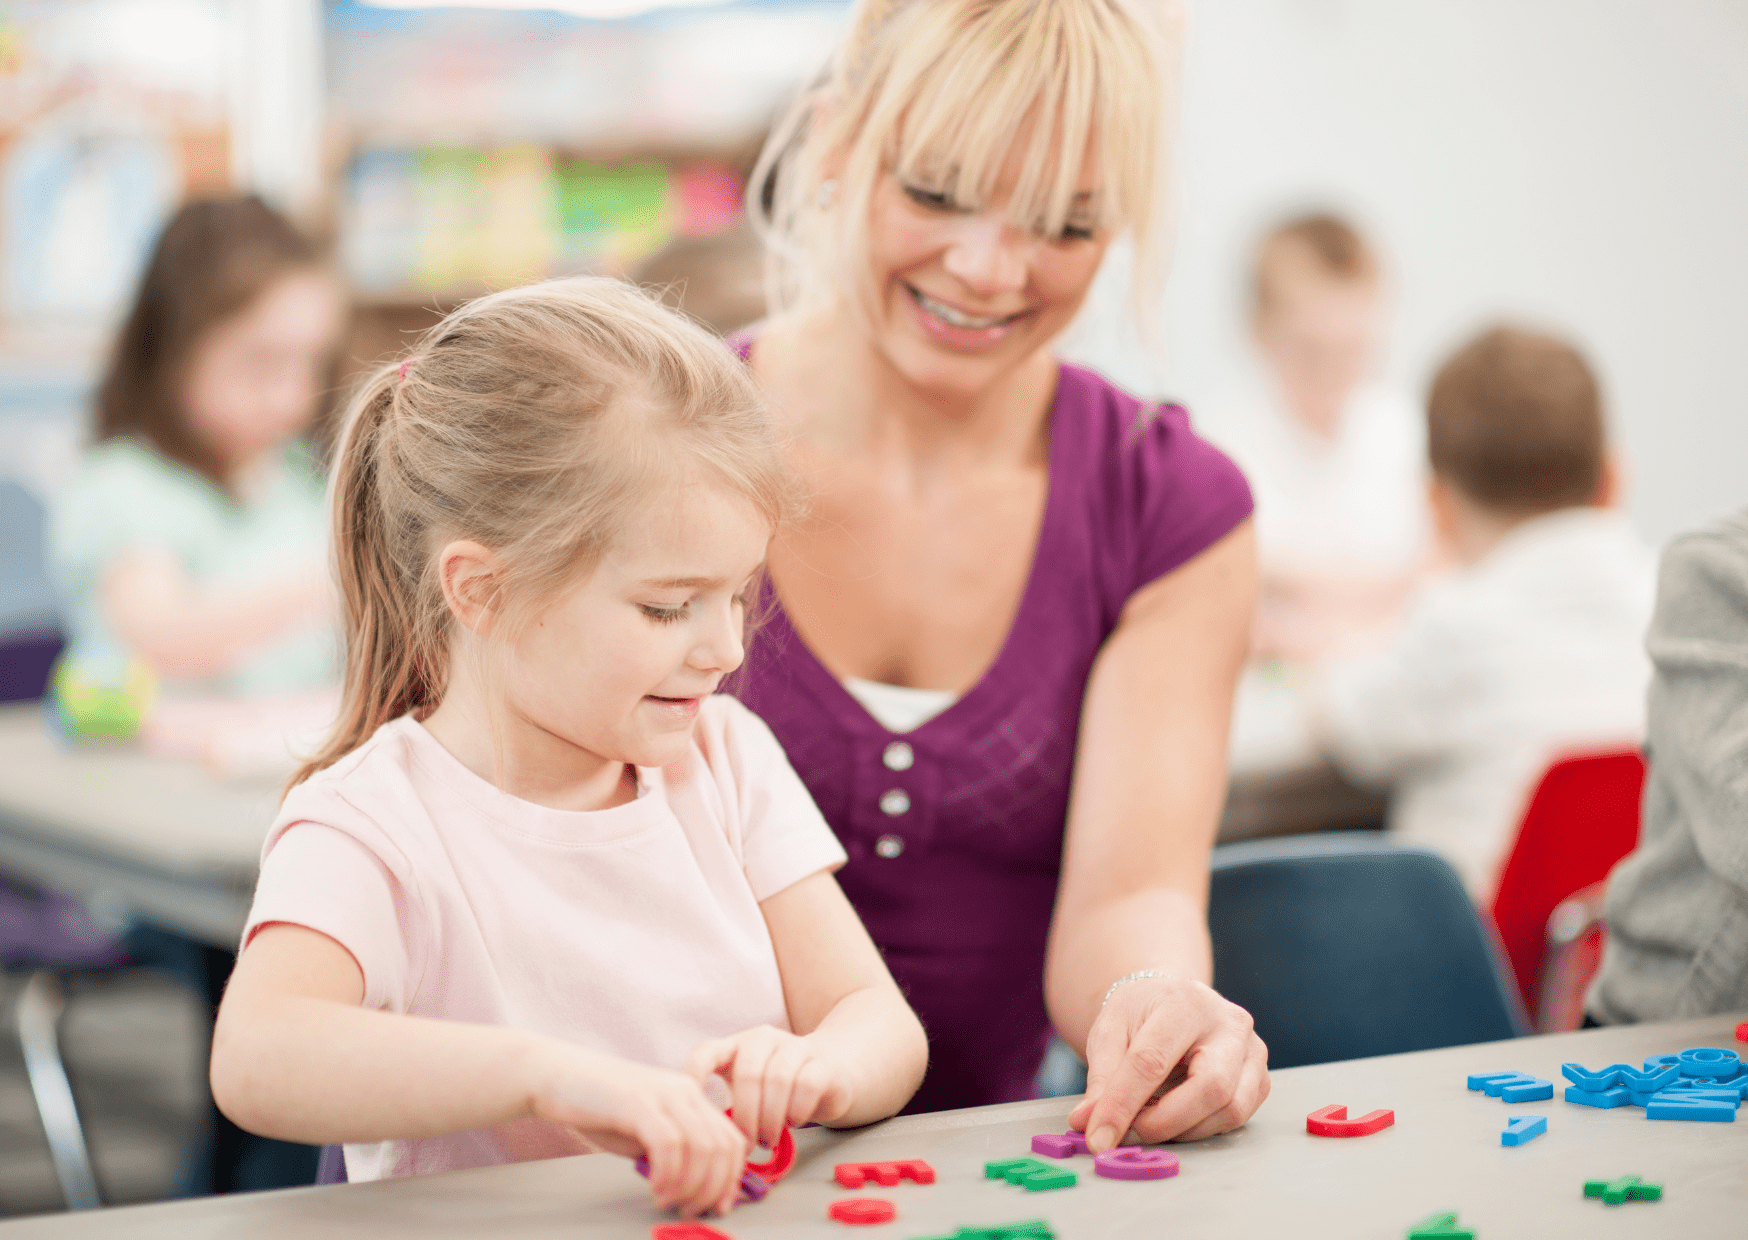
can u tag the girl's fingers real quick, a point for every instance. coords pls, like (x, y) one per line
(780, 1073)
(710, 1058)
(747, 1085)
(809, 1092)
(661, 1145)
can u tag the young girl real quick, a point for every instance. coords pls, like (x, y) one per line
(191, 543)
(541, 885)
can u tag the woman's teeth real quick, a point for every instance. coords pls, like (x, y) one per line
(955, 318)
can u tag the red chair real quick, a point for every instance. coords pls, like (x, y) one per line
(1583, 818)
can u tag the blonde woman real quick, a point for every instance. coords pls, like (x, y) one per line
(1004, 643)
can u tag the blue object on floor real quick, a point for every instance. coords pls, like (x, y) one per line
(1691, 1105)
(1594, 1082)
(1523, 1128)
(1713, 1063)
(1512, 1086)
(1605, 1100)
(1346, 944)
(1651, 1079)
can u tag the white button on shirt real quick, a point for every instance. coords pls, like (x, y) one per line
(895, 802)
(898, 756)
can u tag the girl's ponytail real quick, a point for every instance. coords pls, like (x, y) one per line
(389, 665)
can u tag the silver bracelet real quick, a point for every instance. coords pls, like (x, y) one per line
(1138, 975)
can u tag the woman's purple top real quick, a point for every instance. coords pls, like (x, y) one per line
(956, 879)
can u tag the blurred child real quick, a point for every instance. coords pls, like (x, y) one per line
(542, 886)
(1535, 643)
(1335, 459)
(193, 539)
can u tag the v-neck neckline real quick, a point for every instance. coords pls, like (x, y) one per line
(832, 689)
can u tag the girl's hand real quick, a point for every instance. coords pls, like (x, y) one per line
(696, 1155)
(776, 1080)
(1172, 1060)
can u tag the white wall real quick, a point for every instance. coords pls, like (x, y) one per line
(1578, 163)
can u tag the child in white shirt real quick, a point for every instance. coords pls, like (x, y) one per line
(542, 887)
(1536, 643)
(1336, 459)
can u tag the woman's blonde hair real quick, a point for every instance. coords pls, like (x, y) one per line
(537, 422)
(951, 91)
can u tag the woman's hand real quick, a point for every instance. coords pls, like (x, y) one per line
(1171, 1060)
(776, 1081)
(696, 1155)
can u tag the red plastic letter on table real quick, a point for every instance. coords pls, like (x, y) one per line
(885, 1174)
(1332, 1121)
(862, 1211)
(687, 1231)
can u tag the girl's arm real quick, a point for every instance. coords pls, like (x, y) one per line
(184, 629)
(1150, 777)
(295, 1057)
(857, 1053)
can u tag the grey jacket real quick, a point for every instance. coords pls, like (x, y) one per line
(1677, 908)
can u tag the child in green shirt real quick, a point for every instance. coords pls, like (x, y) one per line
(191, 547)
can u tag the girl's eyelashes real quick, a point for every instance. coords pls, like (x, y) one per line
(663, 615)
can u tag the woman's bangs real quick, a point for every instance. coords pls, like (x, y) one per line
(991, 113)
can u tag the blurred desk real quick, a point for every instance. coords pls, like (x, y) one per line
(180, 849)
(1268, 1178)
(106, 821)
(1279, 783)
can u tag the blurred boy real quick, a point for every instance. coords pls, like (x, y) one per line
(1535, 644)
(1337, 460)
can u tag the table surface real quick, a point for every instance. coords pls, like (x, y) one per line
(1268, 1179)
(158, 834)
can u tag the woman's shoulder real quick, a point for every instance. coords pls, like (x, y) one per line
(1117, 428)
(1153, 485)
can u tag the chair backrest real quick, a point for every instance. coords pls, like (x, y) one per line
(1346, 945)
(1583, 817)
(30, 629)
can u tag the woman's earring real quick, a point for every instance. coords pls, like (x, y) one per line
(828, 194)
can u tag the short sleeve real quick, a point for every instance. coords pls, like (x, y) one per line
(1189, 494)
(321, 878)
(784, 837)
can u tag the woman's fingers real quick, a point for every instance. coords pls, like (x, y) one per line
(1214, 1070)
(1253, 1087)
(1145, 1065)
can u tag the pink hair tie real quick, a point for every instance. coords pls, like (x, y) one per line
(404, 366)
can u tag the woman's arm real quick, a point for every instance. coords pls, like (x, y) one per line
(295, 1057)
(184, 629)
(857, 1053)
(1150, 778)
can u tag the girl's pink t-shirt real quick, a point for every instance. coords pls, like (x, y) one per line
(634, 931)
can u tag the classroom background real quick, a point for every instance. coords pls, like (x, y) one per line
(1554, 162)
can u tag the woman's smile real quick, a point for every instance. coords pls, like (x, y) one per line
(957, 328)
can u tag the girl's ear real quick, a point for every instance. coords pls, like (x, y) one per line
(470, 575)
